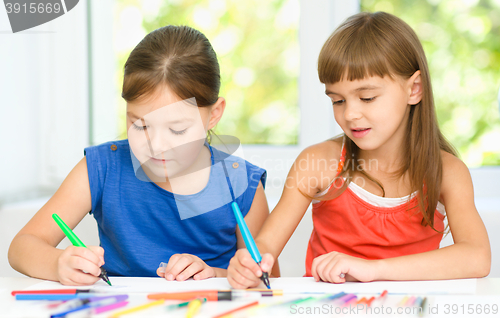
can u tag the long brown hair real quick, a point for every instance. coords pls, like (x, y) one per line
(380, 44)
(177, 56)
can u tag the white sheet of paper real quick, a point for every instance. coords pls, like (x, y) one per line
(301, 284)
(142, 285)
(288, 285)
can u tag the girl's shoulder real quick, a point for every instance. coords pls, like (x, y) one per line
(452, 164)
(238, 168)
(455, 173)
(329, 150)
(108, 151)
(108, 155)
(318, 164)
(233, 160)
(110, 146)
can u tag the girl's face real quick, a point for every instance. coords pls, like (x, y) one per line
(166, 134)
(374, 111)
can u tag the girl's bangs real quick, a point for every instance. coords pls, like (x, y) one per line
(137, 85)
(352, 60)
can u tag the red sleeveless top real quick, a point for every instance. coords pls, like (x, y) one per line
(350, 225)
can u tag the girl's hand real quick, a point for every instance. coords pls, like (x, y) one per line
(80, 265)
(243, 272)
(183, 266)
(336, 267)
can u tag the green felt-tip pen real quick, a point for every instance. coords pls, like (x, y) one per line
(179, 305)
(76, 242)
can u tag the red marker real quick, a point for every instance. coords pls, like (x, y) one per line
(52, 291)
(380, 299)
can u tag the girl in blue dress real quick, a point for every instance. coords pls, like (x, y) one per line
(162, 195)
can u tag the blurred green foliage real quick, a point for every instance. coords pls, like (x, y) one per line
(256, 43)
(257, 47)
(461, 39)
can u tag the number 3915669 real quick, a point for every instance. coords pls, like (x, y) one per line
(471, 309)
(33, 7)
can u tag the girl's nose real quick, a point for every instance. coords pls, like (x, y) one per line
(159, 141)
(352, 112)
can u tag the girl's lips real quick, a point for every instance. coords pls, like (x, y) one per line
(159, 161)
(360, 133)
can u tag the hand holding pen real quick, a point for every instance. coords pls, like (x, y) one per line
(77, 262)
(243, 272)
(240, 276)
(79, 266)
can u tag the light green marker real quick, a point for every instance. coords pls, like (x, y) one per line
(76, 242)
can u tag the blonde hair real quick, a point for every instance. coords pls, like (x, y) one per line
(380, 44)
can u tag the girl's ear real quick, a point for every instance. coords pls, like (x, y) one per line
(415, 84)
(216, 112)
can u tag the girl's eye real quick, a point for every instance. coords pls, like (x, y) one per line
(178, 132)
(140, 127)
(367, 100)
(338, 102)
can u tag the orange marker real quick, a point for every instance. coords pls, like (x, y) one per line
(369, 301)
(362, 300)
(210, 295)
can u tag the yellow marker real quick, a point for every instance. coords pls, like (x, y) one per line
(403, 301)
(194, 306)
(137, 308)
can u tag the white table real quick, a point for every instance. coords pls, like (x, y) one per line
(453, 298)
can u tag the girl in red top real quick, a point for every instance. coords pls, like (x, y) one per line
(380, 191)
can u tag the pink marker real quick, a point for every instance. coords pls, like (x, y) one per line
(109, 307)
(347, 299)
(352, 301)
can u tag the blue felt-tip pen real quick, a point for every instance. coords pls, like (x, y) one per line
(54, 296)
(249, 242)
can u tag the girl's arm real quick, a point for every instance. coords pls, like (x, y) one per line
(304, 176)
(33, 250)
(469, 256)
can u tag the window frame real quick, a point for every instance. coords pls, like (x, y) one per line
(318, 19)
